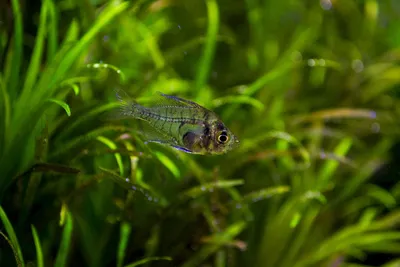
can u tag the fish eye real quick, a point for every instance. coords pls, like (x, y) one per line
(223, 138)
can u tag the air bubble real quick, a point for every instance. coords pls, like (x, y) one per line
(311, 62)
(326, 4)
(357, 65)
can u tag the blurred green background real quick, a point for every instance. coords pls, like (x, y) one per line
(311, 88)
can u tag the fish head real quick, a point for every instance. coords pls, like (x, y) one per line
(222, 139)
(212, 138)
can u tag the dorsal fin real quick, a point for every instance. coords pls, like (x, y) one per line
(181, 101)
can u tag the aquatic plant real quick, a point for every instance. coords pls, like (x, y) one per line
(310, 88)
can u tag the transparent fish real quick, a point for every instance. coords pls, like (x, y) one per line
(179, 123)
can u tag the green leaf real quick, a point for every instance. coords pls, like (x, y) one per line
(149, 259)
(329, 167)
(53, 30)
(19, 264)
(62, 255)
(112, 145)
(13, 238)
(209, 187)
(33, 68)
(125, 231)
(125, 183)
(381, 195)
(151, 43)
(219, 240)
(6, 113)
(71, 35)
(265, 193)
(103, 108)
(15, 56)
(169, 164)
(272, 75)
(90, 136)
(240, 99)
(338, 113)
(25, 120)
(108, 13)
(62, 104)
(205, 64)
(72, 85)
(392, 263)
(39, 253)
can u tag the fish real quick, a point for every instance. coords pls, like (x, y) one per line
(179, 123)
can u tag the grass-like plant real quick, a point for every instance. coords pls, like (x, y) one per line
(309, 88)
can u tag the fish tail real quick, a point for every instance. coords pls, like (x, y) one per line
(128, 107)
(132, 110)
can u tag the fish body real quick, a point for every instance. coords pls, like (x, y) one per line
(180, 123)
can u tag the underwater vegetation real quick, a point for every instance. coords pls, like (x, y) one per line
(310, 88)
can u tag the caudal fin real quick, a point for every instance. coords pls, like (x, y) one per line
(127, 108)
